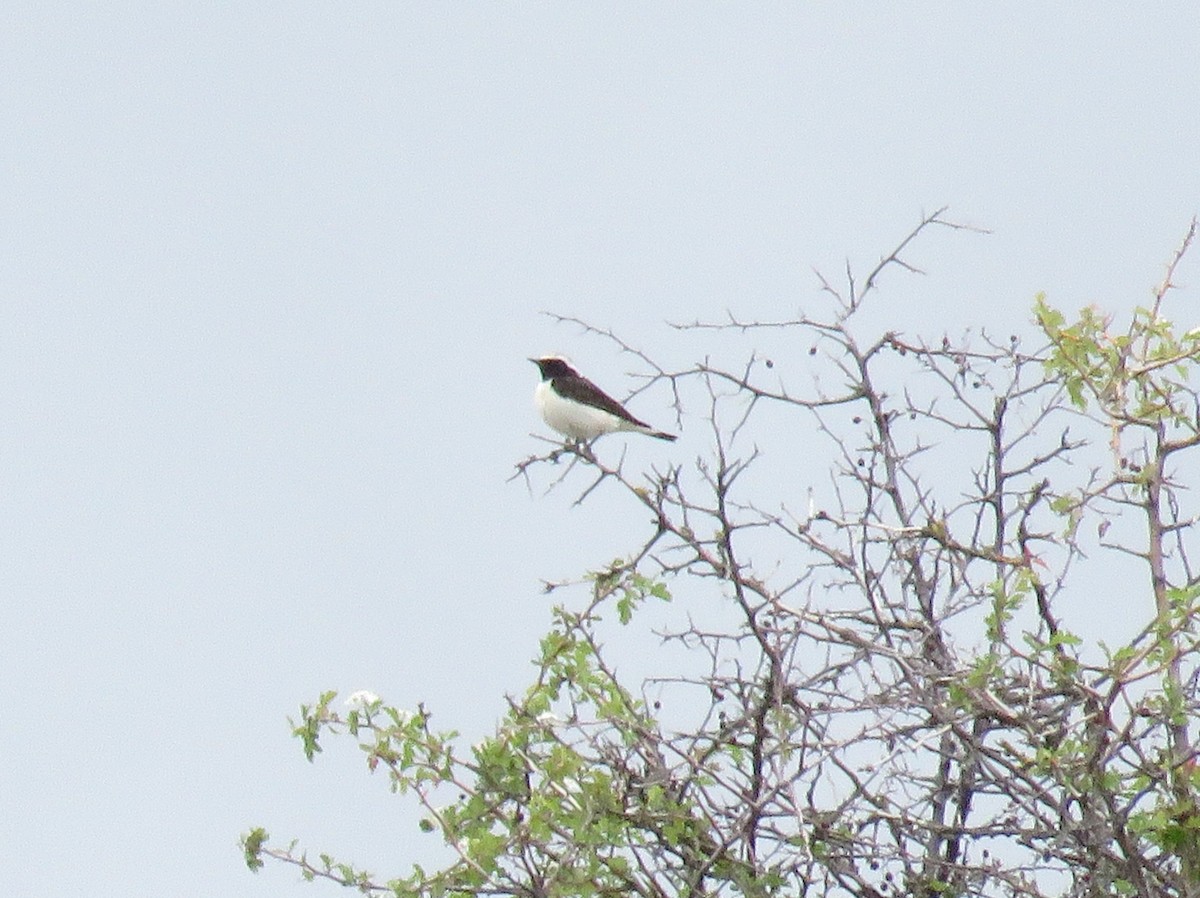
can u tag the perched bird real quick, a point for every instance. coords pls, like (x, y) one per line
(577, 408)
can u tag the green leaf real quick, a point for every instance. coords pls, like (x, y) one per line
(252, 847)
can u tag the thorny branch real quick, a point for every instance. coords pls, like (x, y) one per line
(898, 687)
(978, 788)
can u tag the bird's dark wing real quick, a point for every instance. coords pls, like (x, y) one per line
(583, 391)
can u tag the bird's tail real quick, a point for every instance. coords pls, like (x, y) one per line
(659, 435)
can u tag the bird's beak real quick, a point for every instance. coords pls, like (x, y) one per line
(535, 361)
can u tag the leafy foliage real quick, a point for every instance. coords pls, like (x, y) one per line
(909, 687)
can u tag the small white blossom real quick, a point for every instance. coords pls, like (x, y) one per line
(361, 700)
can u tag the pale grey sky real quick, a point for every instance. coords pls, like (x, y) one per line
(269, 274)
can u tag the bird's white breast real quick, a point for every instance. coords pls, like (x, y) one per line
(572, 419)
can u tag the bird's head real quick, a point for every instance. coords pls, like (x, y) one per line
(554, 366)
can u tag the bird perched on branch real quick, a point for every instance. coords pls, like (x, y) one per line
(580, 410)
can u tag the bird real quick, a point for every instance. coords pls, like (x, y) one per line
(580, 410)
